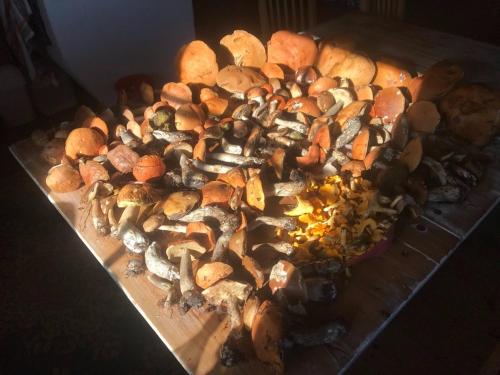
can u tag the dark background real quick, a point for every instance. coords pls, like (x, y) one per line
(60, 313)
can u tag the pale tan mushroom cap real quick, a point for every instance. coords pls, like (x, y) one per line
(236, 79)
(226, 290)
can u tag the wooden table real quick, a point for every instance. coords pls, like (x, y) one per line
(379, 288)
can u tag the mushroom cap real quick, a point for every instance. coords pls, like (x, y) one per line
(92, 171)
(291, 49)
(303, 104)
(177, 248)
(320, 85)
(135, 194)
(148, 167)
(356, 167)
(225, 290)
(123, 158)
(235, 177)
(189, 117)
(250, 310)
(267, 333)
(423, 116)
(216, 192)
(98, 124)
(197, 63)
(245, 48)
(359, 68)
(255, 193)
(412, 154)
(180, 203)
(272, 70)
(255, 270)
(390, 74)
(63, 178)
(217, 106)
(281, 274)
(329, 55)
(175, 148)
(389, 103)
(238, 242)
(197, 229)
(208, 274)
(176, 94)
(83, 142)
(356, 108)
(237, 79)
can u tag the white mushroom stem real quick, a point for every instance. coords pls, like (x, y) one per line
(294, 125)
(190, 177)
(281, 247)
(227, 221)
(257, 112)
(99, 219)
(158, 265)
(231, 148)
(127, 138)
(159, 283)
(236, 159)
(186, 273)
(286, 223)
(286, 189)
(282, 140)
(171, 137)
(212, 168)
(133, 239)
(178, 228)
(235, 319)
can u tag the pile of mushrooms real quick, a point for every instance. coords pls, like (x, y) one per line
(250, 188)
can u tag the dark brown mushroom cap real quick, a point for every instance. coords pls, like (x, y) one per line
(237, 79)
(137, 195)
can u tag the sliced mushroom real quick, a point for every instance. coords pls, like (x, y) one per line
(180, 203)
(210, 273)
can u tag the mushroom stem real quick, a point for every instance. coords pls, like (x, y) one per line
(191, 297)
(227, 221)
(286, 189)
(286, 223)
(236, 159)
(99, 219)
(294, 125)
(158, 265)
(231, 148)
(212, 168)
(171, 137)
(190, 177)
(282, 140)
(254, 136)
(281, 247)
(325, 334)
(133, 239)
(221, 246)
(178, 228)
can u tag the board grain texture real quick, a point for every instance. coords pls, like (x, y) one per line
(379, 287)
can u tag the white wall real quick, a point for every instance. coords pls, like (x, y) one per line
(99, 41)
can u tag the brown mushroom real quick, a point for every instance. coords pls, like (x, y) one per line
(176, 94)
(245, 49)
(277, 161)
(356, 167)
(291, 49)
(63, 178)
(203, 233)
(423, 116)
(436, 81)
(216, 192)
(210, 273)
(234, 177)
(389, 103)
(305, 105)
(254, 268)
(355, 109)
(320, 85)
(84, 142)
(267, 333)
(255, 193)
(92, 171)
(400, 131)
(272, 70)
(412, 154)
(136, 195)
(330, 55)
(361, 144)
(123, 158)
(189, 117)
(81, 114)
(250, 309)
(390, 74)
(237, 79)
(365, 92)
(312, 157)
(197, 63)
(179, 203)
(217, 106)
(238, 242)
(359, 68)
(98, 124)
(148, 167)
